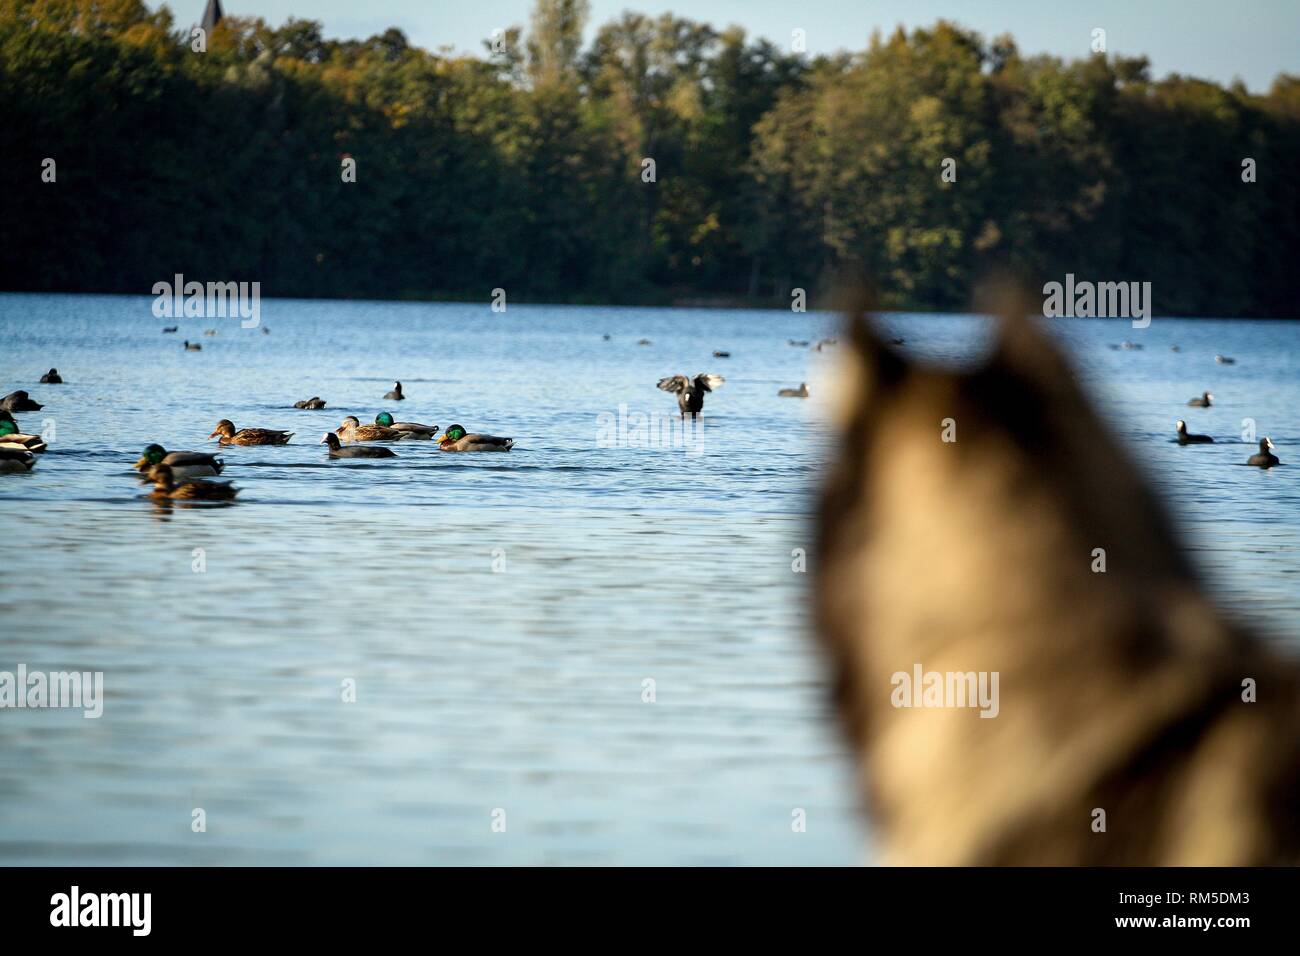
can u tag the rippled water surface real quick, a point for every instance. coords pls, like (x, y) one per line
(499, 614)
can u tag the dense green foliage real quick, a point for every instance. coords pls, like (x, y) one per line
(522, 169)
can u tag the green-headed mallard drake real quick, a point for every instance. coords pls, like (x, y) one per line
(184, 464)
(19, 402)
(355, 451)
(196, 489)
(16, 461)
(396, 394)
(12, 438)
(1186, 438)
(51, 377)
(1265, 458)
(312, 403)
(225, 430)
(1204, 400)
(690, 392)
(353, 431)
(408, 429)
(456, 439)
(800, 392)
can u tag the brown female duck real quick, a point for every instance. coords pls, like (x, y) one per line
(225, 430)
(194, 490)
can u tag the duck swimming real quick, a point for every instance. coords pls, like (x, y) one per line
(193, 346)
(353, 431)
(1225, 360)
(456, 439)
(19, 402)
(314, 402)
(355, 451)
(800, 392)
(51, 377)
(1265, 458)
(690, 392)
(225, 430)
(183, 464)
(15, 440)
(196, 490)
(396, 394)
(1185, 439)
(15, 461)
(408, 429)
(170, 328)
(1202, 402)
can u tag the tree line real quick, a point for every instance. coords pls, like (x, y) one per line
(665, 161)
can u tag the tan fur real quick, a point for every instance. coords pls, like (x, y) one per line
(1119, 690)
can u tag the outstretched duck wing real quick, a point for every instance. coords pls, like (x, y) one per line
(708, 381)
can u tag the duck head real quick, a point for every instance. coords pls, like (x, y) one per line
(164, 479)
(332, 440)
(1266, 445)
(152, 455)
(350, 422)
(225, 429)
(8, 427)
(385, 419)
(454, 433)
(1181, 426)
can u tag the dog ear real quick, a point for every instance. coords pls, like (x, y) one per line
(1022, 346)
(872, 367)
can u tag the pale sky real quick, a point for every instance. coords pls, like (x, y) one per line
(1253, 40)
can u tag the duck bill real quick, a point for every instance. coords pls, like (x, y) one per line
(139, 465)
(215, 435)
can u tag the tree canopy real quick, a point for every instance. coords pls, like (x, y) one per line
(524, 168)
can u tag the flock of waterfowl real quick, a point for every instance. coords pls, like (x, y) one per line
(1264, 459)
(181, 475)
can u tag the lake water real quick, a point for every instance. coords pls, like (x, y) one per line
(499, 615)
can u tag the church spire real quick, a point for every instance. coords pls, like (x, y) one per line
(212, 15)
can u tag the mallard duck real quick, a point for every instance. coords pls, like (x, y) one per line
(690, 392)
(225, 430)
(1203, 402)
(15, 440)
(1187, 439)
(314, 402)
(183, 464)
(15, 461)
(196, 490)
(209, 331)
(353, 431)
(800, 392)
(1265, 458)
(193, 346)
(355, 451)
(19, 402)
(396, 394)
(455, 439)
(720, 354)
(51, 377)
(408, 429)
